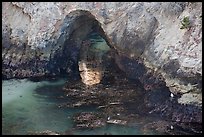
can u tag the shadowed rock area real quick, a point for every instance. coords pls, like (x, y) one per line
(145, 44)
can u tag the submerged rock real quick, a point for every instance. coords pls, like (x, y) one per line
(172, 128)
(117, 121)
(119, 106)
(89, 120)
(142, 37)
(46, 132)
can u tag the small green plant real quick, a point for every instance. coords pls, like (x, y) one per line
(185, 23)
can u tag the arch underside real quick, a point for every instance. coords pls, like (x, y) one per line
(78, 56)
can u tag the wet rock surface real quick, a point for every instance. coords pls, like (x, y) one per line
(172, 128)
(32, 36)
(122, 103)
(115, 105)
(88, 120)
(39, 44)
(46, 132)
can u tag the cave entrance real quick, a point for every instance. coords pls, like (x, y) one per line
(86, 53)
(93, 59)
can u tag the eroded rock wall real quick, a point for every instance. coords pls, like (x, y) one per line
(146, 32)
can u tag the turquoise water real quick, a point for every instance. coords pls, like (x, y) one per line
(26, 111)
(29, 107)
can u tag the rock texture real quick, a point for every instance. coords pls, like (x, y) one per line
(40, 39)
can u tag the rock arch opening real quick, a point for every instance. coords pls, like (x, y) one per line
(84, 52)
(92, 59)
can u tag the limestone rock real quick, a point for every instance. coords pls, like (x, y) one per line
(42, 39)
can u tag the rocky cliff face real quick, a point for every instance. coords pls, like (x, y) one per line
(41, 39)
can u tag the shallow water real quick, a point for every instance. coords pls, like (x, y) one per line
(30, 107)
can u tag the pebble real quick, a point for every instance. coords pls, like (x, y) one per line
(172, 127)
(172, 95)
(108, 118)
